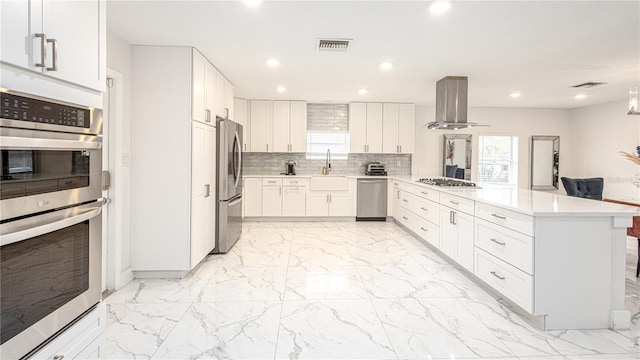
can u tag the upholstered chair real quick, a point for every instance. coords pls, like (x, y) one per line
(585, 188)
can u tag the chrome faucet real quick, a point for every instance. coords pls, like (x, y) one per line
(327, 163)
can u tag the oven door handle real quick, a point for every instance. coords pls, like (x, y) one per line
(36, 143)
(44, 224)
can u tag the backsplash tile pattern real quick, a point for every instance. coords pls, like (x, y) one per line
(331, 117)
(356, 164)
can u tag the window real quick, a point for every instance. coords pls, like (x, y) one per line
(498, 159)
(327, 128)
(319, 141)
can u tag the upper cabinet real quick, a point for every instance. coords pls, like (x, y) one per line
(365, 127)
(212, 93)
(398, 128)
(289, 126)
(261, 130)
(65, 40)
(241, 116)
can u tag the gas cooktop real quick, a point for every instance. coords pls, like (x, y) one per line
(447, 182)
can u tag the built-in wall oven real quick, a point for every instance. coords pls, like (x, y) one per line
(50, 222)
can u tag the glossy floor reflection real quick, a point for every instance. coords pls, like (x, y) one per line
(341, 290)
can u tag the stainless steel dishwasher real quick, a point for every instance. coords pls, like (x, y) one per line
(372, 200)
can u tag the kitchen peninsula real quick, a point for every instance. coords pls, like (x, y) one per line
(560, 259)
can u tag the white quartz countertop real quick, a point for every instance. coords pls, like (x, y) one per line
(530, 202)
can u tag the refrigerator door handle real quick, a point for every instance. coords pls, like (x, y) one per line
(238, 152)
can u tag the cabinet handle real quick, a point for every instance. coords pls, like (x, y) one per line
(501, 217)
(207, 190)
(405, 200)
(498, 276)
(400, 148)
(54, 55)
(207, 118)
(424, 192)
(271, 182)
(498, 242)
(398, 196)
(330, 198)
(226, 113)
(245, 147)
(452, 217)
(406, 218)
(43, 50)
(423, 229)
(58, 357)
(424, 209)
(454, 202)
(327, 197)
(397, 148)
(280, 190)
(267, 147)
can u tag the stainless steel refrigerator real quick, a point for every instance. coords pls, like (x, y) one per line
(229, 184)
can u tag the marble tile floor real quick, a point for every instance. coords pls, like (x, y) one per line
(344, 290)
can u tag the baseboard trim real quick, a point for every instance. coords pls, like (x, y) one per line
(125, 278)
(160, 274)
(298, 219)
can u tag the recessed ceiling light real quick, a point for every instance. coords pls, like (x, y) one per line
(515, 94)
(362, 91)
(252, 3)
(281, 89)
(273, 62)
(580, 96)
(385, 65)
(438, 7)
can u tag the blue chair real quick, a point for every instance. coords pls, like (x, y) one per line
(450, 171)
(585, 188)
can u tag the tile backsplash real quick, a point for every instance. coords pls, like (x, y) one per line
(356, 164)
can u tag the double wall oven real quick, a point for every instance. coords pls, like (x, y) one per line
(50, 222)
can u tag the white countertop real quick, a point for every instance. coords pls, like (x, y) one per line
(530, 202)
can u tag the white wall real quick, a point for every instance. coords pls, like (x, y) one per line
(503, 121)
(119, 59)
(601, 131)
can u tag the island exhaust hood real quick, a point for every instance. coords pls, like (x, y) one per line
(451, 105)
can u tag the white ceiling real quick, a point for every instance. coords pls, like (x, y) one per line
(537, 48)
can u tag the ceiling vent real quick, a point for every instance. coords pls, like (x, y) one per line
(589, 84)
(333, 44)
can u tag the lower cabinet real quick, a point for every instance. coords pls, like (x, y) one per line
(252, 197)
(271, 200)
(317, 204)
(456, 236)
(329, 204)
(293, 200)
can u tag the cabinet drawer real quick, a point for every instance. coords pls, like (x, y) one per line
(428, 194)
(427, 231)
(294, 182)
(406, 200)
(507, 218)
(457, 203)
(427, 210)
(513, 283)
(508, 245)
(272, 181)
(406, 218)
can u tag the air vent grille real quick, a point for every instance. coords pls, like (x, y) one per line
(589, 84)
(333, 44)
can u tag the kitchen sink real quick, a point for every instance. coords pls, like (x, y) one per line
(329, 183)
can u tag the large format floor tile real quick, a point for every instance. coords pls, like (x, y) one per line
(340, 290)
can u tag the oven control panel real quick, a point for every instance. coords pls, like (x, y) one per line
(14, 107)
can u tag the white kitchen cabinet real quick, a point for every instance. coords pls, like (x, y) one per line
(335, 204)
(252, 197)
(289, 126)
(456, 236)
(398, 128)
(365, 127)
(272, 200)
(174, 216)
(261, 129)
(74, 39)
(293, 200)
(340, 204)
(241, 114)
(228, 99)
(317, 204)
(211, 92)
(219, 108)
(202, 191)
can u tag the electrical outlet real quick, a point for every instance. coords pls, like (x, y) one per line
(398, 163)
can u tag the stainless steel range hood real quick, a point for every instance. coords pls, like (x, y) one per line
(451, 104)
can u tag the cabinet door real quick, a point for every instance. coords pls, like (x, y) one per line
(357, 127)
(293, 201)
(406, 127)
(298, 126)
(210, 78)
(261, 127)
(219, 99)
(198, 92)
(242, 117)
(198, 192)
(390, 129)
(340, 204)
(19, 21)
(210, 196)
(252, 197)
(317, 204)
(281, 116)
(393, 196)
(80, 31)
(374, 127)
(271, 200)
(228, 100)
(447, 233)
(464, 245)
